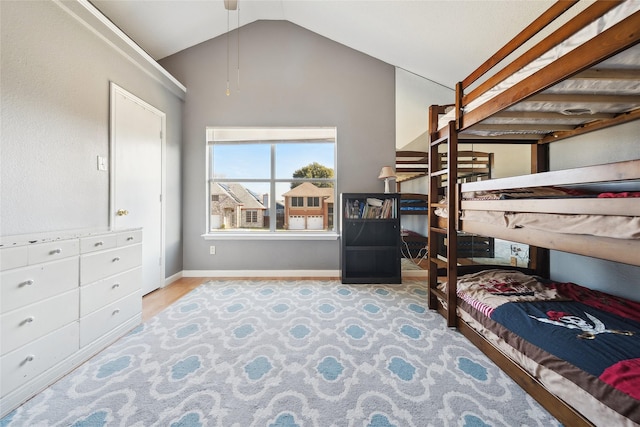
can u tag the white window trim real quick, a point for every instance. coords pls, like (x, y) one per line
(276, 134)
(285, 235)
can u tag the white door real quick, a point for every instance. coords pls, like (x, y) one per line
(296, 222)
(315, 222)
(136, 178)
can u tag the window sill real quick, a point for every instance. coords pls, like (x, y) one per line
(271, 236)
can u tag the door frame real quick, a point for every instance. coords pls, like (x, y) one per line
(115, 90)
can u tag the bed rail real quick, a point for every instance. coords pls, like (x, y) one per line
(491, 91)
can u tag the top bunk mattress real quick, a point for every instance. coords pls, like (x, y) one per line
(627, 59)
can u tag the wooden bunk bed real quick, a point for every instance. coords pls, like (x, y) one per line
(588, 83)
(410, 165)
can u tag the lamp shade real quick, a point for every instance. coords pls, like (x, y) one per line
(387, 172)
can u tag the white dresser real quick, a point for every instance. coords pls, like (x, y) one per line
(63, 298)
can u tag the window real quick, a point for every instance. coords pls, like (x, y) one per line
(252, 216)
(255, 176)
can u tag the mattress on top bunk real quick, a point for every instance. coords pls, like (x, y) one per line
(606, 21)
(582, 345)
(544, 192)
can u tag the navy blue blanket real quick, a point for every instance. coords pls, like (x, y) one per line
(590, 339)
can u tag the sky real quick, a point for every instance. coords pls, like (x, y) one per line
(252, 161)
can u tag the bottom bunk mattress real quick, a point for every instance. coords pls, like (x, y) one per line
(613, 226)
(582, 345)
(609, 225)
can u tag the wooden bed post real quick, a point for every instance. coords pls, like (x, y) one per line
(432, 244)
(459, 94)
(436, 231)
(452, 225)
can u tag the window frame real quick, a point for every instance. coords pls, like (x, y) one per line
(315, 201)
(275, 137)
(251, 216)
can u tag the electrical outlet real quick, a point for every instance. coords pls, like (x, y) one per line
(212, 250)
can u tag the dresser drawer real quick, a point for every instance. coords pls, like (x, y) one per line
(98, 294)
(27, 285)
(106, 319)
(129, 237)
(104, 264)
(98, 243)
(13, 257)
(51, 251)
(36, 320)
(29, 361)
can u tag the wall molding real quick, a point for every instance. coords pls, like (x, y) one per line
(89, 16)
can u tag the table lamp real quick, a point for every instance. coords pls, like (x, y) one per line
(387, 173)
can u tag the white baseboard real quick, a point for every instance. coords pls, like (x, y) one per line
(261, 273)
(169, 280)
(408, 274)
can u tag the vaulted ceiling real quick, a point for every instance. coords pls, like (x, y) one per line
(439, 40)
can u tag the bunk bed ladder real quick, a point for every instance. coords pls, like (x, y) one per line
(436, 231)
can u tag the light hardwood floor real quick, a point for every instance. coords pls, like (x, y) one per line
(156, 301)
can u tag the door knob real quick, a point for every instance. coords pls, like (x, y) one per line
(122, 212)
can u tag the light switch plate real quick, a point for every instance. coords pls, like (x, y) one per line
(102, 163)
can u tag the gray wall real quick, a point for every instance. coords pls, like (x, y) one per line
(55, 122)
(289, 77)
(609, 145)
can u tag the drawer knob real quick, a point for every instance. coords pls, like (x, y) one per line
(116, 285)
(130, 238)
(99, 243)
(27, 359)
(55, 251)
(26, 283)
(116, 311)
(29, 319)
(116, 259)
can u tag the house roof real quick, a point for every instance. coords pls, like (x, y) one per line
(239, 193)
(307, 189)
(408, 34)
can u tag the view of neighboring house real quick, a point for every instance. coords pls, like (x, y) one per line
(305, 207)
(308, 207)
(234, 206)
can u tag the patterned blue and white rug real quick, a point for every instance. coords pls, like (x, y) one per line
(288, 353)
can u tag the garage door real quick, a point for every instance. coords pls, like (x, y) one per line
(315, 222)
(296, 222)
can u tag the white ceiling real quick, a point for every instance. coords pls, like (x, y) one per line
(439, 40)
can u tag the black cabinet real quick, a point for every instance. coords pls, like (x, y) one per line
(370, 238)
